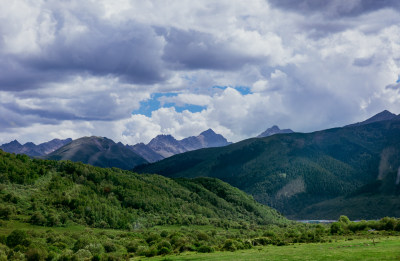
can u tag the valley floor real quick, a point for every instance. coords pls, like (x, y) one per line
(383, 248)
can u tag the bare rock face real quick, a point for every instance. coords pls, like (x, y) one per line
(274, 130)
(206, 139)
(146, 152)
(166, 145)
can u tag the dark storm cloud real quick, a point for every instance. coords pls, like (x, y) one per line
(335, 8)
(193, 50)
(100, 106)
(130, 51)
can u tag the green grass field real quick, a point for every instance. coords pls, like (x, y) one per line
(385, 248)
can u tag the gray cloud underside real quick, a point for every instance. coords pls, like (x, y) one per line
(336, 8)
(192, 50)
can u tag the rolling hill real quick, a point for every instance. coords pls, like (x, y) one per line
(98, 151)
(298, 173)
(56, 193)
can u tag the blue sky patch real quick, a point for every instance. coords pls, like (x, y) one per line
(398, 80)
(153, 104)
(242, 89)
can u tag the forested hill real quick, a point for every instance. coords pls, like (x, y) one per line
(291, 172)
(57, 193)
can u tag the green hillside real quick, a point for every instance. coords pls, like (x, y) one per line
(51, 193)
(98, 151)
(291, 172)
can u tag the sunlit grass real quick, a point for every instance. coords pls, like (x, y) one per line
(385, 248)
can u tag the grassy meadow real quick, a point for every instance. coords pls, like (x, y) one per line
(381, 248)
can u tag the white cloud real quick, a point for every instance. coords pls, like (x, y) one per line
(79, 68)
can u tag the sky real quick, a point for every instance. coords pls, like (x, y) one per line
(130, 70)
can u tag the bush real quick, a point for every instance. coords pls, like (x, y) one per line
(152, 251)
(17, 237)
(132, 247)
(83, 254)
(36, 254)
(81, 243)
(205, 249)
(336, 228)
(229, 245)
(38, 219)
(5, 212)
(164, 251)
(109, 247)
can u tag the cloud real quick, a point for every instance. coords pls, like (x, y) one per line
(75, 68)
(59, 40)
(335, 8)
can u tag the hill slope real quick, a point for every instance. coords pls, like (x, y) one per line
(55, 193)
(98, 151)
(291, 172)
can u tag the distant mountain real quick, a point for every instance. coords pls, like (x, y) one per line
(206, 139)
(144, 151)
(301, 173)
(166, 146)
(274, 130)
(98, 151)
(33, 150)
(382, 116)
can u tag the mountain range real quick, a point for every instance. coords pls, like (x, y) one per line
(100, 151)
(353, 170)
(167, 146)
(33, 150)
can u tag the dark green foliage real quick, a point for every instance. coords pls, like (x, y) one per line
(70, 192)
(38, 219)
(205, 249)
(336, 228)
(36, 254)
(17, 237)
(132, 247)
(109, 247)
(295, 172)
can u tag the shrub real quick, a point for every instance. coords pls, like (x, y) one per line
(81, 243)
(109, 247)
(336, 228)
(164, 251)
(152, 251)
(205, 249)
(17, 237)
(132, 247)
(229, 245)
(5, 212)
(164, 233)
(83, 254)
(36, 254)
(344, 219)
(38, 219)
(164, 244)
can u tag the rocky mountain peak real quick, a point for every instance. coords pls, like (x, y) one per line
(382, 116)
(274, 130)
